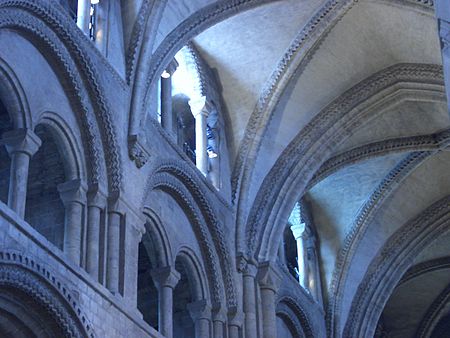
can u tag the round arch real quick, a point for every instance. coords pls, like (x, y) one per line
(62, 44)
(288, 178)
(391, 263)
(13, 97)
(25, 283)
(179, 180)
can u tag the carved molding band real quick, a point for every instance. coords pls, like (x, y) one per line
(21, 272)
(390, 264)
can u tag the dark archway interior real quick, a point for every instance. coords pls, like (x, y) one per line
(185, 125)
(5, 162)
(290, 251)
(22, 317)
(44, 208)
(147, 293)
(442, 329)
(183, 326)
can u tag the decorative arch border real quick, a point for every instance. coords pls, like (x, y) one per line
(174, 41)
(359, 227)
(52, 30)
(30, 276)
(391, 263)
(300, 321)
(295, 60)
(64, 135)
(426, 267)
(178, 177)
(155, 229)
(429, 142)
(434, 314)
(313, 144)
(285, 313)
(13, 97)
(194, 270)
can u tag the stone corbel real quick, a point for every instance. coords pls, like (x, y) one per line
(137, 151)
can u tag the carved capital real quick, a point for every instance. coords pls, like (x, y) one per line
(199, 107)
(21, 141)
(95, 197)
(199, 310)
(269, 276)
(165, 277)
(172, 66)
(72, 192)
(298, 230)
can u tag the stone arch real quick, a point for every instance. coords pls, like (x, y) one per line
(195, 272)
(290, 175)
(22, 276)
(64, 46)
(154, 229)
(74, 160)
(391, 263)
(290, 305)
(179, 192)
(179, 179)
(13, 97)
(149, 71)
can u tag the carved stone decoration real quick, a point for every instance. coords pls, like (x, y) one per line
(45, 23)
(137, 152)
(179, 37)
(305, 328)
(345, 257)
(295, 60)
(178, 177)
(434, 313)
(426, 267)
(41, 285)
(392, 261)
(312, 145)
(413, 143)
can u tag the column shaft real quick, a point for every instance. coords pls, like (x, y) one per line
(233, 331)
(112, 271)
(83, 15)
(250, 305)
(202, 328)
(93, 241)
(302, 263)
(201, 143)
(218, 329)
(165, 319)
(17, 194)
(166, 104)
(268, 312)
(73, 231)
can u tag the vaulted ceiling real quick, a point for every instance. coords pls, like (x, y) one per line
(391, 161)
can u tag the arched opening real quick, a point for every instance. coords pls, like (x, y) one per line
(183, 294)
(44, 207)
(5, 162)
(442, 329)
(147, 294)
(21, 317)
(285, 328)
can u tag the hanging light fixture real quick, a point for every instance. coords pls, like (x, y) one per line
(94, 2)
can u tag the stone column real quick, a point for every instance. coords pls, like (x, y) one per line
(234, 325)
(83, 15)
(166, 98)
(21, 145)
(165, 280)
(198, 108)
(443, 16)
(96, 204)
(249, 275)
(200, 313)
(269, 281)
(73, 196)
(219, 320)
(113, 245)
(298, 230)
